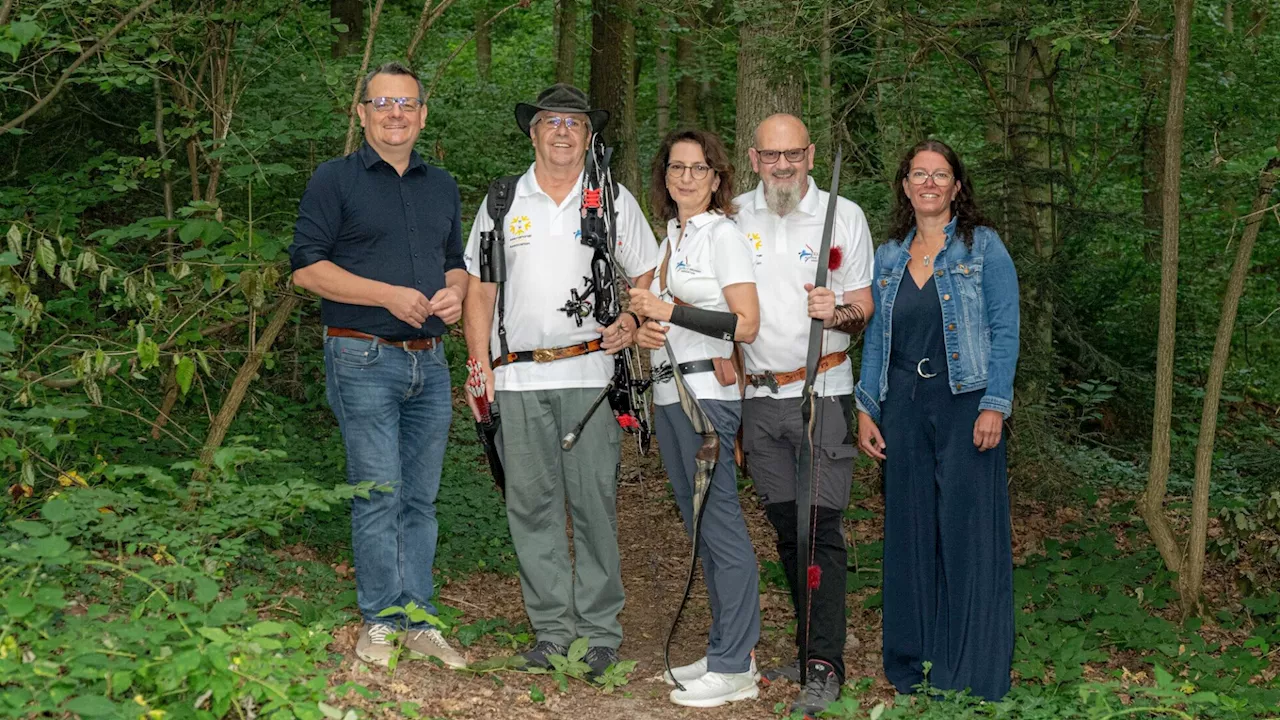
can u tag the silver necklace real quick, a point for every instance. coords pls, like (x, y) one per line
(927, 260)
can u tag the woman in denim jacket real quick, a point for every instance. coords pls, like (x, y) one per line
(935, 388)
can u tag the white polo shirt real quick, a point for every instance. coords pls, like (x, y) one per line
(786, 257)
(545, 260)
(712, 255)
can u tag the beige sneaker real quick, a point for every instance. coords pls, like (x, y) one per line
(375, 646)
(431, 643)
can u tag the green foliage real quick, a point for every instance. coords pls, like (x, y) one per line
(122, 596)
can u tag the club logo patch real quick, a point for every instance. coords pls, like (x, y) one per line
(685, 268)
(808, 255)
(520, 225)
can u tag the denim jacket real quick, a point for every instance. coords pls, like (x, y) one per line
(978, 291)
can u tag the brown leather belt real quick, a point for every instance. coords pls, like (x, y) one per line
(774, 380)
(414, 345)
(543, 355)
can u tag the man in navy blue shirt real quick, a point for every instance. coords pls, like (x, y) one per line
(379, 238)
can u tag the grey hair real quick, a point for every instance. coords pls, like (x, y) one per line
(537, 117)
(390, 68)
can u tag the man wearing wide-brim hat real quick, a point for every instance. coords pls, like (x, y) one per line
(543, 369)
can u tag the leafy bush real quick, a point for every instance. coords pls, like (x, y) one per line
(123, 598)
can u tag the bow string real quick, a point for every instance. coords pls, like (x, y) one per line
(810, 574)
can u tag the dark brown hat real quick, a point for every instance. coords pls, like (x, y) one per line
(560, 97)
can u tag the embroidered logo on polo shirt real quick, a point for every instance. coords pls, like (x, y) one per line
(521, 231)
(684, 267)
(808, 255)
(756, 242)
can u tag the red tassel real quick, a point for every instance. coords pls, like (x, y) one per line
(628, 422)
(815, 577)
(834, 259)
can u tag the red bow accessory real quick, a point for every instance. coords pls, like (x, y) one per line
(833, 262)
(815, 577)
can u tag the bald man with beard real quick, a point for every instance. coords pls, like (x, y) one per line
(783, 219)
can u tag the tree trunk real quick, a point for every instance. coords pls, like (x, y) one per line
(566, 40)
(1191, 579)
(686, 75)
(826, 131)
(1258, 19)
(769, 80)
(613, 50)
(1032, 153)
(1153, 58)
(484, 49)
(1158, 474)
(231, 403)
(351, 14)
(662, 71)
(162, 153)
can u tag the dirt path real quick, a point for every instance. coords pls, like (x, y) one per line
(655, 556)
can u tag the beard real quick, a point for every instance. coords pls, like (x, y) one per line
(782, 195)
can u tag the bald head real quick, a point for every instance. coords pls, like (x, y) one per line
(782, 157)
(782, 128)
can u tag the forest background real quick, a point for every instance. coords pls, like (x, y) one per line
(175, 538)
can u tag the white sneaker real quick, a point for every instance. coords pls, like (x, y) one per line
(697, 669)
(714, 689)
(375, 646)
(431, 643)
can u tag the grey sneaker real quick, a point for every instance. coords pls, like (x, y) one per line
(375, 646)
(599, 658)
(821, 689)
(782, 672)
(537, 655)
(431, 643)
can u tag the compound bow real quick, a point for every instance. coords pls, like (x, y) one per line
(600, 299)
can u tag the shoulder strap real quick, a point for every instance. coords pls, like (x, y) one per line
(502, 192)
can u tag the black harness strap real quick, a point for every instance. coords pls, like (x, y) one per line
(501, 193)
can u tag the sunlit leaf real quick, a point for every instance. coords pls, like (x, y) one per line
(184, 373)
(46, 256)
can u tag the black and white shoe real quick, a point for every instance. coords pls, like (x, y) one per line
(599, 658)
(539, 654)
(821, 688)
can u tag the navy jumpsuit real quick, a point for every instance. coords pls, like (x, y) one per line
(948, 557)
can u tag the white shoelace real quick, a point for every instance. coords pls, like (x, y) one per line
(378, 634)
(435, 637)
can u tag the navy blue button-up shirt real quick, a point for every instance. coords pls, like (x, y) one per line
(364, 217)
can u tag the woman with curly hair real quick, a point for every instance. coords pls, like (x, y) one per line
(703, 298)
(935, 388)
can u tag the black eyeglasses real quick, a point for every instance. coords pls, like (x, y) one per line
(383, 104)
(769, 157)
(698, 170)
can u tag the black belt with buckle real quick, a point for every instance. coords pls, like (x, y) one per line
(922, 367)
(662, 373)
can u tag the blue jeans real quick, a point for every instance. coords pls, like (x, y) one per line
(393, 407)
